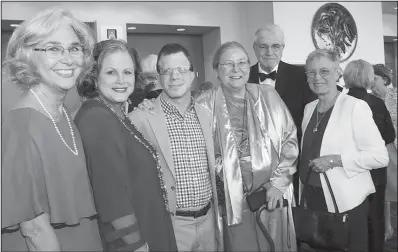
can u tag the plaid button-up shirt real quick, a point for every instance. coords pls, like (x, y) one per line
(193, 185)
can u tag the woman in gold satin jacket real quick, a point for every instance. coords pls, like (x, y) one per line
(256, 147)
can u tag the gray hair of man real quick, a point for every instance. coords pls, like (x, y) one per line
(271, 28)
(359, 73)
(148, 64)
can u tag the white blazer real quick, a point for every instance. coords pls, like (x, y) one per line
(351, 133)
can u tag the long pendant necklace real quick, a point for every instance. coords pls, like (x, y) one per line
(316, 109)
(318, 122)
(75, 151)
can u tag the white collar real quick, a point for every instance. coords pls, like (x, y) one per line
(260, 70)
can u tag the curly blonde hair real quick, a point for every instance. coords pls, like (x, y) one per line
(18, 67)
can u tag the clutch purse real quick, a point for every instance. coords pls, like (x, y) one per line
(321, 230)
(256, 199)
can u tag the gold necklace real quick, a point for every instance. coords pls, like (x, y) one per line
(147, 145)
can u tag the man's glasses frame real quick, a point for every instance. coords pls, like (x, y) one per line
(273, 47)
(179, 69)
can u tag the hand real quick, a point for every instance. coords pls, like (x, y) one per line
(322, 164)
(144, 248)
(146, 105)
(273, 196)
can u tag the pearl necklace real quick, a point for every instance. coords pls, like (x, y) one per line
(76, 152)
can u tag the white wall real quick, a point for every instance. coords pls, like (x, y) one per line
(389, 24)
(295, 19)
(237, 21)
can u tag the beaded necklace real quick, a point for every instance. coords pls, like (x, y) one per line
(146, 144)
(75, 151)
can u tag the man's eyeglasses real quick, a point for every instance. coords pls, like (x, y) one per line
(147, 77)
(57, 51)
(274, 47)
(180, 69)
(229, 65)
(323, 72)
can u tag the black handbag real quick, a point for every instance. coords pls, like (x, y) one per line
(321, 230)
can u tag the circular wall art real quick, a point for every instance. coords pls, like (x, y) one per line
(333, 27)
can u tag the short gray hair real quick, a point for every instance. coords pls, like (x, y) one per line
(269, 28)
(18, 65)
(332, 55)
(149, 63)
(223, 48)
(359, 73)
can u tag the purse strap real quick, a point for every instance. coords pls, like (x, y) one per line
(329, 187)
(331, 192)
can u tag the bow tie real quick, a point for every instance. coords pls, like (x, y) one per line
(264, 76)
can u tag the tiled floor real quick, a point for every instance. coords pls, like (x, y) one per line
(392, 244)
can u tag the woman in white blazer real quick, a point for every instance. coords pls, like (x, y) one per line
(341, 140)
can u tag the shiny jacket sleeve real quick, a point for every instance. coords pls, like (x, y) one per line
(287, 148)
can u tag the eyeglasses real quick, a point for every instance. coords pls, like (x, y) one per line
(323, 72)
(147, 77)
(180, 69)
(229, 65)
(57, 51)
(274, 47)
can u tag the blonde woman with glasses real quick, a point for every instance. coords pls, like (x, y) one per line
(47, 203)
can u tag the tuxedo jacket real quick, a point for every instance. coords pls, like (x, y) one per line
(291, 85)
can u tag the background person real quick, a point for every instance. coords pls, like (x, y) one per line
(384, 90)
(47, 204)
(358, 78)
(150, 87)
(340, 139)
(124, 170)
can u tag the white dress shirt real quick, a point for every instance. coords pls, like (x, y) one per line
(267, 81)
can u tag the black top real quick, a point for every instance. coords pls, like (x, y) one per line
(140, 94)
(312, 142)
(124, 177)
(382, 118)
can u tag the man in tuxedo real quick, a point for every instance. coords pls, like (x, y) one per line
(289, 81)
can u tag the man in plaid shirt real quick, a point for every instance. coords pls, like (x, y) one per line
(180, 131)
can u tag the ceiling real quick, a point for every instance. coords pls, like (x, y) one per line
(168, 29)
(388, 7)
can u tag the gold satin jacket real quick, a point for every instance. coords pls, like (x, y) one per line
(273, 146)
